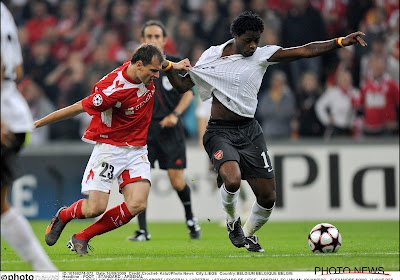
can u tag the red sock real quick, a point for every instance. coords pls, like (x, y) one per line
(72, 212)
(112, 219)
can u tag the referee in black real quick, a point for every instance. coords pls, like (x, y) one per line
(166, 136)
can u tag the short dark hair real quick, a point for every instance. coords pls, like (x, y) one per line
(156, 23)
(247, 21)
(145, 53)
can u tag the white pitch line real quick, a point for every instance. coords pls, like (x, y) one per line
(91, 259)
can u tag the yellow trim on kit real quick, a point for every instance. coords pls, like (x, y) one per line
(27, 138)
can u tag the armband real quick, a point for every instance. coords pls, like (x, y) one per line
(338, 42)
(169, 67)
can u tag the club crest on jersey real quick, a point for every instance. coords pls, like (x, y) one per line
(142, 90)
(219, 154)
(97, 100)
(144, 158)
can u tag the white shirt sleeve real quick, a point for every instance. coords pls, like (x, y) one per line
(11, 55)
(322, 105)
(264, 53)
(206, 55)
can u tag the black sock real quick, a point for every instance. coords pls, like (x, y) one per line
(184, 195)
(142, 220)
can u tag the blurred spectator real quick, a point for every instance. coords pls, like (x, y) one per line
(334, 15)
(270, 17)
(389, 5)
(115, 50)
(280, 6)
(194, 6)
(39, 65)
(134, 42)
(170, 14)
(335, 106)
(346, 61)
(185, 38)
(67, 20)
(375, 24)
(69, 78)
(23, 38)
(277, 108)
(144, 10)
(72, 84)
(208, 25)
(117, 20)
(378, 48)
(394, 25)
(356, 10)
(98, 67)
(302, 18)
(234, 8)
(40, 107)
(307, 94)
(379, 101)
(40, 22)
(92, 15)
(393, 62)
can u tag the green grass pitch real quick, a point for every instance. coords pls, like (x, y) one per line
(365, 243)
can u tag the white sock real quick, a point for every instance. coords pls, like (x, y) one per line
(258, 217)
(229, 202)
(17, 231)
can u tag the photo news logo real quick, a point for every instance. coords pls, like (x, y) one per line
(18, 276)
(348, 270)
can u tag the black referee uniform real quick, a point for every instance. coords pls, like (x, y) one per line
(167, 145)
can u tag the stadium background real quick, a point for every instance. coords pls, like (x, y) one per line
(69, 45)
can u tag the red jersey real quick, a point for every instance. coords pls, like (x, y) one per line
(379, 99)
(120, 108)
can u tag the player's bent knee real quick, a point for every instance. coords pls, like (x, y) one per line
(231, 181)
(94, 212)
(136, 207)
(232, 184)
(267, 200)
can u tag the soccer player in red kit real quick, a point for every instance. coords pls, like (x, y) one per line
(121, 106)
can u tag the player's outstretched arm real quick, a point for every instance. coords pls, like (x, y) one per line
(62, 114)
(317, 48)
(181, 83)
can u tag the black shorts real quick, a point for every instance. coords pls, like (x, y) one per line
(243, 142)
(167, 145)
(9, 160)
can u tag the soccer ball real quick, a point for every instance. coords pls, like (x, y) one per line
(324, 238)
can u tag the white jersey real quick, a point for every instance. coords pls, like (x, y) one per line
(234, 80)
(15, 112)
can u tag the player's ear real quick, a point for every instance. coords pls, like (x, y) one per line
(142, 40)
(139, 64)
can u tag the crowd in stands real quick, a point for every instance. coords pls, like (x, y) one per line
(68, 45)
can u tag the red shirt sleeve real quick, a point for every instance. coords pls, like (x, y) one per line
(98, 102)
